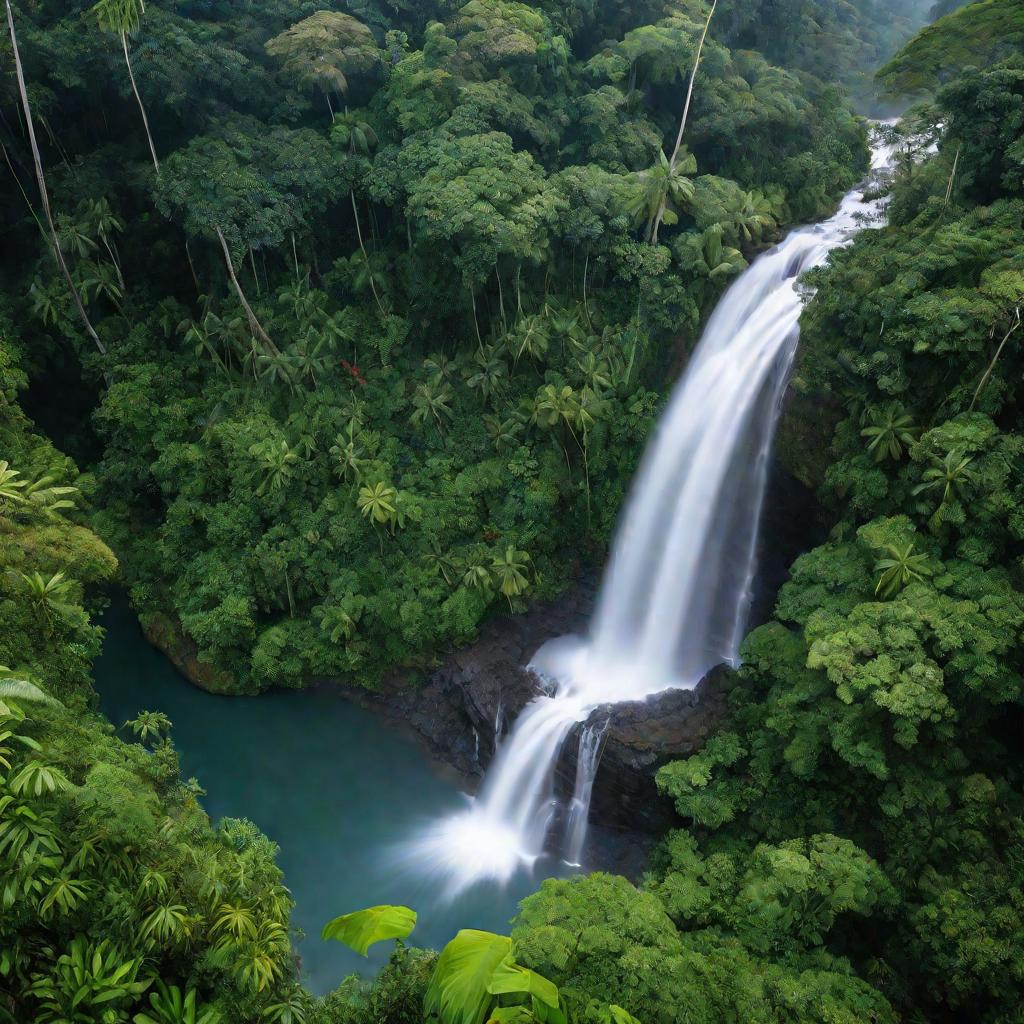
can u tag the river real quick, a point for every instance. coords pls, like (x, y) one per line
(334, 786)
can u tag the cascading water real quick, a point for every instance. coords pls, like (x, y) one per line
(677, 589)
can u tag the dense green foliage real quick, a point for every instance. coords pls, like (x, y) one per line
(117, 897)
(382, 314)
(382, 331)
(979, 34)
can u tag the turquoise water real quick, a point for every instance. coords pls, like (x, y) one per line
(335, 787)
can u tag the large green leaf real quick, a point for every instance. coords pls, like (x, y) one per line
(21, 689)
(458, 991)
(512, 1015)
(510, 977)
(361, 929)
(621, 1016)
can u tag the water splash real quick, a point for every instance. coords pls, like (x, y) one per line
(677, 589)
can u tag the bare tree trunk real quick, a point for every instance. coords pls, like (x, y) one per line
(952, 178)
(254, 325)
(476, 322)
(995, 359)
(138, 99)
(362, 247)
(501, 296)
(41, 181)
(192, 268)
(586, 268)
(686, 116)
(115, 261)
(255, 275)
(689, 90)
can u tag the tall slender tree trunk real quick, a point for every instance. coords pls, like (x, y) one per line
(254, 325)
(952, 178)
(192, 268)
(476, 322)
(501, 296)
(689, 90)
(686, 116)
(362, 247)
(138, 99)
(995, 359)
(255, 275)
(41, 181)
(586, 268)
(116, 262)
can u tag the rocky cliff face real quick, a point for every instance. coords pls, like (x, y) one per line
(474, 697)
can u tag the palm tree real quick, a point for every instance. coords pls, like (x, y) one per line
(899, 569)
(504, 434)
(359, 138)
(431, 400)
(43, 493)
(50, 597)
(660, 192)
(952, 475)
(596, 373)
(348, 455)
(752, 215)
(509, 570)
(354, 133)
(719, 260)
(490, 375)
(170, 1006)
(530, 337)
(122, 18)
(439, 367)
(99, 220)
(339, 623)
(101, 279)
(686, 114)
(478, 577)
(891, 428)
(377, 503)
(12, 687)
(149, 725)
(308, 356)
(277, 366)
(44, 194)
(277, 462)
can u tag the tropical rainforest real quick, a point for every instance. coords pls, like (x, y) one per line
(330, 330)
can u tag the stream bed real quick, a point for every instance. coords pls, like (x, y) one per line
(334, 786)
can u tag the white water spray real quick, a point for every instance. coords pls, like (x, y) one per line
(678, 586)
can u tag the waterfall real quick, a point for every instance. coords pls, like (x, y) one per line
(587, 757)
(677, 589)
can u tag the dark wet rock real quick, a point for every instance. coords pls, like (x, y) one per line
(640, 737)
(479, 691)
